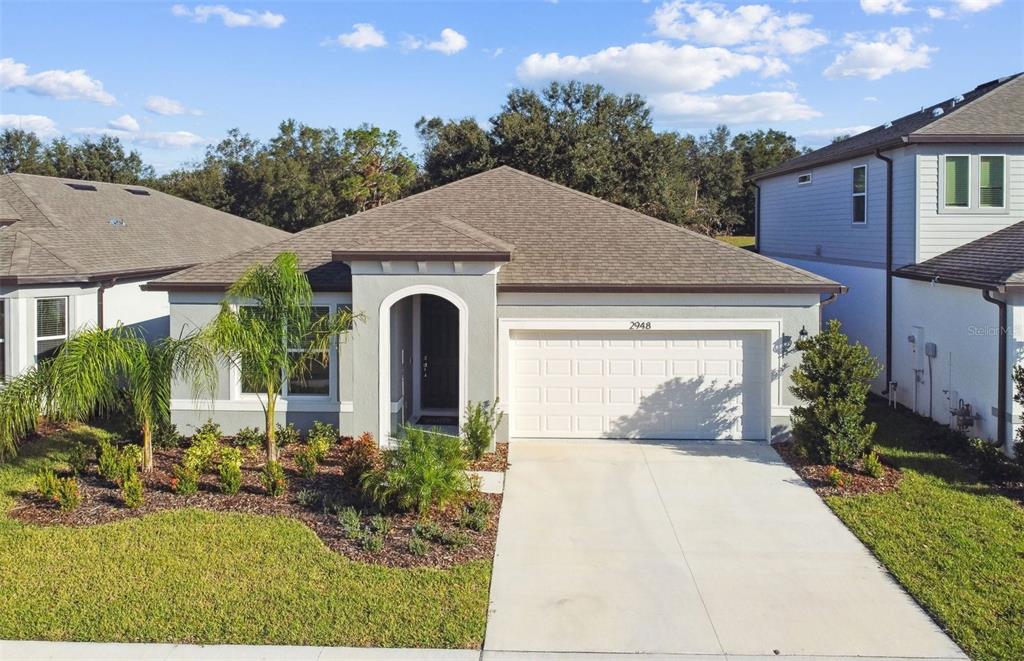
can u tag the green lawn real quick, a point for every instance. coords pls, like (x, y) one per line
(739, 241)
(957, 546)
(202, 577)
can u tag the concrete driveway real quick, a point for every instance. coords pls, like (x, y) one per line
(715, 549)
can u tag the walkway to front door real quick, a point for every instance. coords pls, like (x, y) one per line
(690, 548)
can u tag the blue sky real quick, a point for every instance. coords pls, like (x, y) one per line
(169, 78)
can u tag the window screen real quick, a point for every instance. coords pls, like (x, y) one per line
(991, 181)
(51, 326)
(958, 181)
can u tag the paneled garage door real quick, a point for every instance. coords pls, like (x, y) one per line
(658, 385)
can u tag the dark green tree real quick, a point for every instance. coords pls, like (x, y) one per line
(832, 382)
(101, 159)
(453, 150)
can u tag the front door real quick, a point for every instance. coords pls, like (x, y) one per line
(439, 347)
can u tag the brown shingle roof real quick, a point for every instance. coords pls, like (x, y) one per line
(995, 260)
(991, 110)
(61, 234)
(559, 239)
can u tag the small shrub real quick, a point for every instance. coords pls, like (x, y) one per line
(323, 432)
(273, 479)
(230, 470)
(46, 483)
(427, 469)
(351, 524)
(455, 539)
(373, 543)
(307, 497)
(249, 437)
(319, 446)
(67, 494)
(119, 464)
(306, 459)
(990, 462)
(287, 434)
(380, 525)
(418, 546)
(873, 465)
(166, 436)
(131, 491)
(431, 531)
(832, 381)
(482, 419)
(428, 529)
(1018, 396)
(185, 480)
(78, 457)
(209, 428)
(107, 458)
(476, 515)
(835, 476)
(359, 456)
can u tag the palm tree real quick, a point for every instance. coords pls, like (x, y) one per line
(95, 366)
(267, 330)
(22, 400)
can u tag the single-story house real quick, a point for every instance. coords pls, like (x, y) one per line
(937, 194)
(76, 253)
(582, 318)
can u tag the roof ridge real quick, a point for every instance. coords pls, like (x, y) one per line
(32, 201)
(473, 233)
(651, 219)
(22, 252)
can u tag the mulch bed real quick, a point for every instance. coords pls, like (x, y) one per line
(328, 491)
(857, 481)
(492, 461)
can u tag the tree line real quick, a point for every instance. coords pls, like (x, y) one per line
(575, 134)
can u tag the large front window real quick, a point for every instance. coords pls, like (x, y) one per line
(51, 326)
(314, 379)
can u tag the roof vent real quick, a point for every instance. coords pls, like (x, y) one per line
(959, 98)
(81, 186)
(888, 125)
(937, 112)
(117, 222)
(137, 191)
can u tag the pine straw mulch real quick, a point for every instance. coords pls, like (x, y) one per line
(492, 461)
(102, 503)
(856, 481)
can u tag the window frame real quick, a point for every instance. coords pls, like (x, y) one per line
(810, 179)
(854, 195)
(943, 184)
(285, 383)
(1005, 165)
(67, 324)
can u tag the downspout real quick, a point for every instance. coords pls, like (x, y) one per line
(1001, 370)
(99, 300)
(757, 217)
(821, 308)
(888, 268)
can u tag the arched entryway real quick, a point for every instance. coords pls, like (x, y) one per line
(423, 349)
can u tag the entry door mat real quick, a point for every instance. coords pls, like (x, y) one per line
(437, 420)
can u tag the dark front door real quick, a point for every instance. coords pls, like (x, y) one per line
(439, 347)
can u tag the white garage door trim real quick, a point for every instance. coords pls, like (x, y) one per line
(772, 326)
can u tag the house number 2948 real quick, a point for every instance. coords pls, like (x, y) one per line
(639, 325)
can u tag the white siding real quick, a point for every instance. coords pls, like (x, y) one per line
(942, 231)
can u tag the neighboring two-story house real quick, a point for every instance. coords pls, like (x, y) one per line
(923, 219)
(76, 253)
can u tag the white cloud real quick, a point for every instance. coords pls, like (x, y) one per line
(889, 52)
(884, 6)
(41, 125)
(828, 134)
(733, 108)
(936, 12)
(56, 83)
(162, 105)
(755, 28)
(871, 99)
(157, 139)
(409, 42)
(124, 123)
(451, 42)
(976, 5)
(247, 18)
(643, 67)
(362, 36)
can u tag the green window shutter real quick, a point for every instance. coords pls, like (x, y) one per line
(958, 181)
(991, 181)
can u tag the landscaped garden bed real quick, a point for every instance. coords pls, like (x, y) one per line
(830, 480)
(330, 503)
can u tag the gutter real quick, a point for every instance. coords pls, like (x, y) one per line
(1002, 369)
(888, 268)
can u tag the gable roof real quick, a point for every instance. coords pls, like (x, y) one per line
(556, 239)
(64, 230)
(992, 262)
(991, 112)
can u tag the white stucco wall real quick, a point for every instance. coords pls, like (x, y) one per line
(965, 330)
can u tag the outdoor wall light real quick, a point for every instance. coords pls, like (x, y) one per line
(786, 345)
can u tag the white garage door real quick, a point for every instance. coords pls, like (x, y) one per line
(658, 385)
